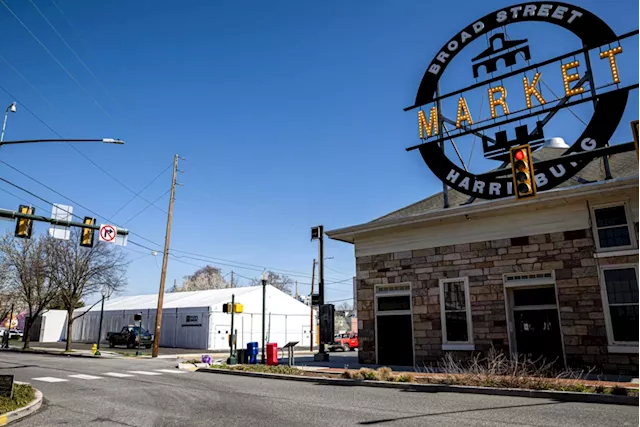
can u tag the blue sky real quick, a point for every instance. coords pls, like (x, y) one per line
(289, 114)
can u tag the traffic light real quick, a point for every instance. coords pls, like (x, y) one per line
(524, 184)
(86, 237)
(24, 226)
(227, 308)
(635, 130)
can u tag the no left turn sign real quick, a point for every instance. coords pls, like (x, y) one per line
(107, 233)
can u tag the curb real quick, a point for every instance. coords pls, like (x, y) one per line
(565, 396)
(192, 366)
(57, 353)
(32, 407)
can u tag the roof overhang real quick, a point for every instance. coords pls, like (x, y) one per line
(452, 214)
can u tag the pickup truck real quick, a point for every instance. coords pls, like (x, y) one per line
(345, 342)
(129, 336)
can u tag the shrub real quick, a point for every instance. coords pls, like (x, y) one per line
(385, 374)
(405, 378)
(22, 395)
(368, 374)
(348, 375)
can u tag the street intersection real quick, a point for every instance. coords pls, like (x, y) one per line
(150, 392)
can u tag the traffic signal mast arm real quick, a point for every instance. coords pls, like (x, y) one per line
(5, 213)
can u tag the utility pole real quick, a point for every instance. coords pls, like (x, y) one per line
(165, 260)
(232, 279)
(264, 309)
(313, 278)
(297, 294)
(321, 279)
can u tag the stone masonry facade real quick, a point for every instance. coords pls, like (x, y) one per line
(570, 254)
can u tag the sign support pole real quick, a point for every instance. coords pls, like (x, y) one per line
(313, 278)
(165, 260)
(445, 189)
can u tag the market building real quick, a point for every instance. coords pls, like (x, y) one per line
(537, 257)
(553, 277)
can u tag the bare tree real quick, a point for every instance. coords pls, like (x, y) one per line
(344, 306)
(8, 294)
(278, 281)
(78, 271)
(28, 269)
(207, 277)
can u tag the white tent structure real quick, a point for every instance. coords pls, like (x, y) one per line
(195, 319)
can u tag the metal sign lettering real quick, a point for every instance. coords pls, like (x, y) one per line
(522, 121)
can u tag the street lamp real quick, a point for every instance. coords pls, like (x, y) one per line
(555, 143)
(264, 309)
(33, 141)
(103, 292)
(11, 108)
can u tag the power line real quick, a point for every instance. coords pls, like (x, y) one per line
(203, 258)
(72, 51)
(145, 208)
(67, 72)
(336, 271)
(23, 105)
(139, 192)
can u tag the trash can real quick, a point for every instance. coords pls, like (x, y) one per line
(252, 352)
(272, 354)
(242, 355)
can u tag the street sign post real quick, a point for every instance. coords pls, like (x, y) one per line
(107, 233)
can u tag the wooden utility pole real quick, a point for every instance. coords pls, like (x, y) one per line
(232, 285)
(165, 260)
(321, 350)
(313, 278)
(297, 294)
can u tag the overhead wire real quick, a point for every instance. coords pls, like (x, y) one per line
(67, 72)
(198, 257)
(141, 191)
(86, 67)
(23, 105)
(145, 208)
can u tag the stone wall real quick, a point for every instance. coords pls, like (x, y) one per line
(569, 254)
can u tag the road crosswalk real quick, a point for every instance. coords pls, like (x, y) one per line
(86, 377)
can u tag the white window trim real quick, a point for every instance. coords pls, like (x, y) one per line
(614, 345)
(456, 345)
(626, 349)
(609, 254)
(379, 292)
(630, 226)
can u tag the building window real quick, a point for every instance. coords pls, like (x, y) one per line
(620, 295)
(611, 227)
(455, 311)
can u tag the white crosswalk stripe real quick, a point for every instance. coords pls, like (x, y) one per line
(85, 377)
(117, 374)
(171, 371)
(50, 379)
(144, 373)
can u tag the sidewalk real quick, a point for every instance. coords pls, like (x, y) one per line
(84, 349)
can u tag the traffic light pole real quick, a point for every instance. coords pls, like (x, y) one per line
(165, 260)
(5, 213)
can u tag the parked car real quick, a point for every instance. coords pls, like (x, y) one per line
(14, 333)
(129, 336)
(346, 342)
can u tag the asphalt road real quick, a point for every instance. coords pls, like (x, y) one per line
(97, 393)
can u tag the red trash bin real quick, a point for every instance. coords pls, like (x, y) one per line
(272, 353)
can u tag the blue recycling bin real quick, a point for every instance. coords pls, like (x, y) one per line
(252, 352)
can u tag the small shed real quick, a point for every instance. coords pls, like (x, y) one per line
(196, 320)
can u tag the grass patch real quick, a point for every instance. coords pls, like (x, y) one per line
(23, 394)
(277, 369)
(192, 361)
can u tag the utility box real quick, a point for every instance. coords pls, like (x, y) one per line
(272, 354)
